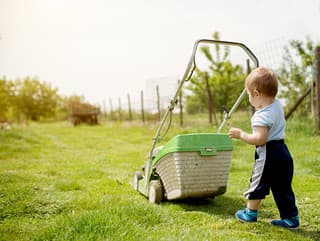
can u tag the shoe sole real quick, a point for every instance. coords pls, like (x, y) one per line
(244, 221)
(285, 227)
(296, 228)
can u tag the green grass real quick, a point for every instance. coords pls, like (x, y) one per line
(63, 183)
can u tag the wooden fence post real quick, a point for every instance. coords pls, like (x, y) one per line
(180, 106)
(248, 67)
(209, 98)
(111, 110)
(158, 103)
(211, 109)
(317, 90)
(142, 108)
(248, 72)
(120, 117)
(129, 108)
(104, 110)
(295, 106)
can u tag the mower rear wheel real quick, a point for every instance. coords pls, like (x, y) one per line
(135, 182)
(155, 192)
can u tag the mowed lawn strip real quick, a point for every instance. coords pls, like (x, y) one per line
(58, 182)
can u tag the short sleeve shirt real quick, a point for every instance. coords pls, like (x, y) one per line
(271, 116)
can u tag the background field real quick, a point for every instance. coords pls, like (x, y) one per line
(58, 182)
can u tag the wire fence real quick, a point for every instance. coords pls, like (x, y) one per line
(151, 106)
(155, 100)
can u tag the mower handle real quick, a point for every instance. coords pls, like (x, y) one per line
(186, 76)
(241, 45)
(227, 115)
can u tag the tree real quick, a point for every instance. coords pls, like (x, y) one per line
(295, 74)
(35, 99)
(226, 81)
(6, 93)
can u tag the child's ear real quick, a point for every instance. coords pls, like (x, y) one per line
(256, 93)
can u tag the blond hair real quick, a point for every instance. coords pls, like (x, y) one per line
(263, 80)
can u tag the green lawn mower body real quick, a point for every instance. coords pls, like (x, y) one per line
(190, 165)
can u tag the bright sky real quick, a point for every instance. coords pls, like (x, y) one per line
(106, 49)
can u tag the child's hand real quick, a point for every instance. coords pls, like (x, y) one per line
(235, 133)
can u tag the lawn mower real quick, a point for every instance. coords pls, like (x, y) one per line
(193, 165)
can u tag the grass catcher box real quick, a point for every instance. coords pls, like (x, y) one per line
(194, 165)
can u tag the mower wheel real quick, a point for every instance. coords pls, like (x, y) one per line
(155, 192)
(135, 182)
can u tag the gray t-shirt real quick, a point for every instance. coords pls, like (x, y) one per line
(271, 116)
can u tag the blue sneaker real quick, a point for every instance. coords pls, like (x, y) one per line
(292, 223)
(247, 215)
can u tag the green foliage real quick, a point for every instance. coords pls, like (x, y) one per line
(36, 99)
(6, 96)
(295, 73)
(29, 99)
(226, 81)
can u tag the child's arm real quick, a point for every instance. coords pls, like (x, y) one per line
(257, 138)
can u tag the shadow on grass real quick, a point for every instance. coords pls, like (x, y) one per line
(226, 207)
(222, 205)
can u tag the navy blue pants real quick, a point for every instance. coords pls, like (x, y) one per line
(273, 169)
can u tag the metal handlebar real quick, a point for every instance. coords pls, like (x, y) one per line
(186, 76)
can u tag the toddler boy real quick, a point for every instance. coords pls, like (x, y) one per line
(273, 167)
